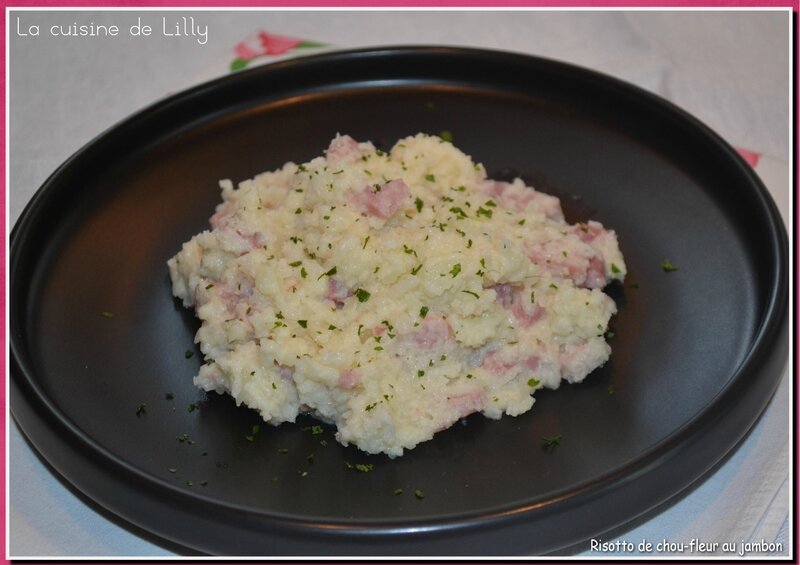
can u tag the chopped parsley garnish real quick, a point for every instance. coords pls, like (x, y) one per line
(419, 494)
(295, 239)
(668, 266)
(614, 268)
(418, 203)
(408, 250)
(141, 409)
(169, 396)
(475, 294)
(416, 269)
(303, 323)
(459, 212)
(455, 270)
(610, 335)
(188, 354)
(521, 222)
(366, 240)
(490, 203)
(107, 314)
(369, 407)
(533, 383)
(550, 443)
(423, 312)
(209, 286)
(611, 389)
(316, 430)
(446, 135)
(397, 491)
(193, 406)
(553, 286)
(430, 178)
(420, 373)
(303, 272)
(329, 273)
(298, 211)
(362, 295)
(295, 264)
(533, 297)
(481, 211)
(283, 451)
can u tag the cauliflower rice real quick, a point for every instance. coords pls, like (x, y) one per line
(393, 294)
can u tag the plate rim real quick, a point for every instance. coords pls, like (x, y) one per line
(770, 325)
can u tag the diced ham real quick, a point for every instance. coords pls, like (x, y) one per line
(223, 211)
(596, 273)
(434, 335)
(496, 363)
(285, 372)
(382, 201)
(517, 197)
(343, 149)
(524, 311)
(337, 292)
(563, 259)
(589, 231)
(468, 402)
(349, 378)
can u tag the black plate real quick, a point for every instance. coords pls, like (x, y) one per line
(697, 353)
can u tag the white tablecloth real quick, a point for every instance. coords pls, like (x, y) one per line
(729, 68)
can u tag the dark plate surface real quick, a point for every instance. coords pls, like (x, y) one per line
(697, 352)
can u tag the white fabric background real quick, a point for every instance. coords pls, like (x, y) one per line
(729, 68)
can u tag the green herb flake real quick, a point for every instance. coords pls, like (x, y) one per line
(362, 295)
(364, 467)
(475, 294)
(490, 203)
(668, 266)
(611, 389)
(416, 269)
(329, 273)
(107, 314)
(369, 407)
(172, 470)
(303, 323)
(455, 270)
(303, 272)
(550, 443)
(298, 211)
(397, 491)
(481, 211)
(430, 178)
(169, 396)
(458, 212)
(188, 353)
(521, 222)
(533, 383)
(533, 297)
(419, 494)
(283, 450)
(420, 373)
(418, 203)
(423, 312)
(193, 406)
(141, 410)
(615, 269)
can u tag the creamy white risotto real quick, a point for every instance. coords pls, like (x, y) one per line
(393, 294)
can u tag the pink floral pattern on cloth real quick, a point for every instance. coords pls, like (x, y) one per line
(264, 44)
(750, 157)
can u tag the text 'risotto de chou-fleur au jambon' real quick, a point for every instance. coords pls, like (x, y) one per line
(394, 293)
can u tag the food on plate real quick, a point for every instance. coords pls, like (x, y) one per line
(394, 293)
